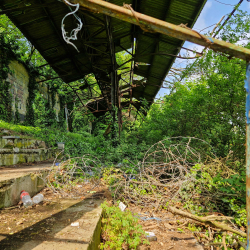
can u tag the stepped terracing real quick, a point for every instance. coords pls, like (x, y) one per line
(16, 150)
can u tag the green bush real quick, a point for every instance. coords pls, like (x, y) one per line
(120, 230)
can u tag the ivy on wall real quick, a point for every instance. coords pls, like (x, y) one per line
(6, 53)
(32, 86)
(17, 115)
(10, 51)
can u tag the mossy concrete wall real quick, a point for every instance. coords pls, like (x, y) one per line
(21, 143)
(19, 81)
(10, 189)
(9, 157)
(16, 151)
(96, 238)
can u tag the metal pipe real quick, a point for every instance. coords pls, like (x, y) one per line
(159, 26)
(248, 183)
(247, 86)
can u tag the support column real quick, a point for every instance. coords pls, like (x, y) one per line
(113, 104)
(114, 80)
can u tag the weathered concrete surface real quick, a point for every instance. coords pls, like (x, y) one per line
(10, 172)
(18, 150)
(14, 156)
(54, 232)
(14, 180)
(19, 81)
(21, 143)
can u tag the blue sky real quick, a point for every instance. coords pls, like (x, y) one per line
(210, 15)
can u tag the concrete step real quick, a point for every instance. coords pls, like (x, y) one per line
(49, 227)
(10, 142)
(15, 156)
(15, 179)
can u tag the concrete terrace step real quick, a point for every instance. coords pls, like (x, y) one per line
(15, 179)
(15, 156)
(15, 150)
(45, 226)
(49, 227)
(14, 142)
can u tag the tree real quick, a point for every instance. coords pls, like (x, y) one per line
(209, 103)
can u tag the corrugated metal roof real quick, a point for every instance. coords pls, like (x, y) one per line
(40, 22)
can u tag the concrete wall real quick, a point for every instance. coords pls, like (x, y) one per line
(10, 189)
(43, 89)
(17, 150)
(19, 80)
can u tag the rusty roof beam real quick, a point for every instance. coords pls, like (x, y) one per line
(159, 26)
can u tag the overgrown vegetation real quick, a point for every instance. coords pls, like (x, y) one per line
(207, 101)
(120, 229)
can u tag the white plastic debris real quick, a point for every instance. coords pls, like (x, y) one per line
(122, 206)
(75, 224)
(150, 236)
(38, 198)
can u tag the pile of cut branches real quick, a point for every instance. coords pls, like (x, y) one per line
(68, 176)
(167, 169)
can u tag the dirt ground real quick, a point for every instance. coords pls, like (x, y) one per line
(170, 230)
(44, 221)
(10, 172)
(19, 224)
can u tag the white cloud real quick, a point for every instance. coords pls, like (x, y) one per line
(201, 23)
(249, 5)
(195, 47)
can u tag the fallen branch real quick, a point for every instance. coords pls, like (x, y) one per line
(222, 226)
(242, 244)
(224, 241)
(214, 217)
(201, 235)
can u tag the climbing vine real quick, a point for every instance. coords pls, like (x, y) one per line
(5, 95)
(9, 50)
(32, 87)
(61, 122)
(17, 115)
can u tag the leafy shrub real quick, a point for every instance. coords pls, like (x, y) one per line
(120, 230)
(79, 144)
(218, 187)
